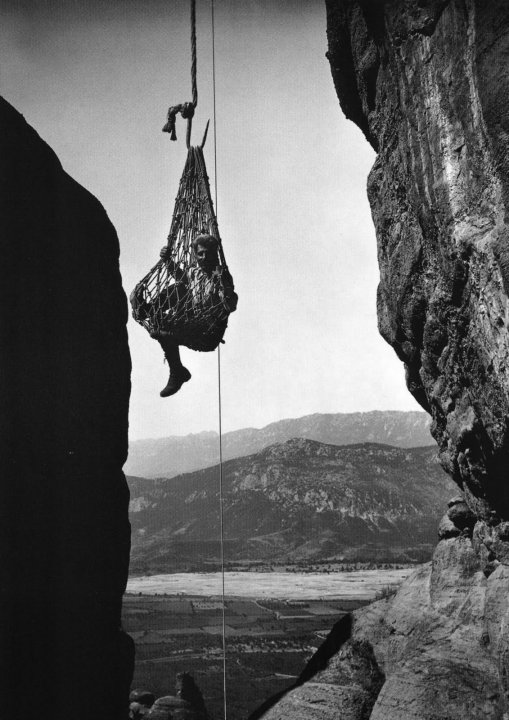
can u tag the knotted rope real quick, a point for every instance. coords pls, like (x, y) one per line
(186, 109)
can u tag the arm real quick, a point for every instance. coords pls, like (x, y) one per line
(174, 269)
(230, 296)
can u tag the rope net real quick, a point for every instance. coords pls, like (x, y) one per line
(176, 298)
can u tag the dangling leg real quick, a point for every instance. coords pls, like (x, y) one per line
(178, 373)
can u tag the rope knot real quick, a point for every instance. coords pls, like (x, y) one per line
(187, 112)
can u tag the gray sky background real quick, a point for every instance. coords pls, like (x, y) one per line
(95, 80)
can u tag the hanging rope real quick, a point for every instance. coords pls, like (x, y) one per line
(173, 299)
(186, 109)
(221, 497)
(179, 300)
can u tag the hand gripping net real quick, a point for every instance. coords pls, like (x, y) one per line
(175, 299)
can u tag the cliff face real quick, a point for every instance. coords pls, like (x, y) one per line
(435, 651)
(65, 391)
(427, 82)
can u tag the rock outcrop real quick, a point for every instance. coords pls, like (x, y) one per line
(65, 386)
(427, 82)
(434, 651)
(186, 704)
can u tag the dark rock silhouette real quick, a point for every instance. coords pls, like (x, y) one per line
(65, 386)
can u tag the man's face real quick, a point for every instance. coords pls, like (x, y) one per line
(206, 257)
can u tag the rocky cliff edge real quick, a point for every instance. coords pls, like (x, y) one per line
(427, 82)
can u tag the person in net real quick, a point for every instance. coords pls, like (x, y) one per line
(199, 287)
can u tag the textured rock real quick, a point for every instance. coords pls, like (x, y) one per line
(460, 514)
(187, 704)
(447, 528)
(428, 83)
(65, 392)
(438, 650)
(351, 681)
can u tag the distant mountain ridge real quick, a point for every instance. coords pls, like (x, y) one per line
(300, 500)
(166, 457)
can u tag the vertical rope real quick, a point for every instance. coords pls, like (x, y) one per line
(221, 504)
(193, 53)
(221, 515)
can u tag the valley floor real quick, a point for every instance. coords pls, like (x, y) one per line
(360, 584)
(268, 640)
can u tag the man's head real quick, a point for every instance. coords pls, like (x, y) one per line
(205, 250)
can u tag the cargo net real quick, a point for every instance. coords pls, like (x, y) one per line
(176, 299)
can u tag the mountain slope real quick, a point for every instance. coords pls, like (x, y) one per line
(298, 500)
(165, 457)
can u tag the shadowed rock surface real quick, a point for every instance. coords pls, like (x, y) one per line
(65, 392)
(427, 83)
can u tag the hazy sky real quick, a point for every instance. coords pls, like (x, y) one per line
(96, 79)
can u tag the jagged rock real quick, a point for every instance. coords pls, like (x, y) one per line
(137, 711)
(427, 82)
(140, 702)
(170, 707)
(447, 529)
(186, 704)
(143, 697)
(439, 645)
(351, 681)
(458, 499)
(64, 531)
(500, 545)
(461, 516)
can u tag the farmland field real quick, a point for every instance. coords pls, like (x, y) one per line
(266, 646)
(268, 639)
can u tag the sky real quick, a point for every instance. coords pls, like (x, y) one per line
(96, 80)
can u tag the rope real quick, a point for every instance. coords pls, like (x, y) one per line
(186, 109)
(193, 53)
(221, 502)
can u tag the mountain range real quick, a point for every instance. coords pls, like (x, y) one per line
(166, 457)
(294, 501)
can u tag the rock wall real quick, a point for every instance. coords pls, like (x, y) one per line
(427, 81)
(437, 650)
(65, 383)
